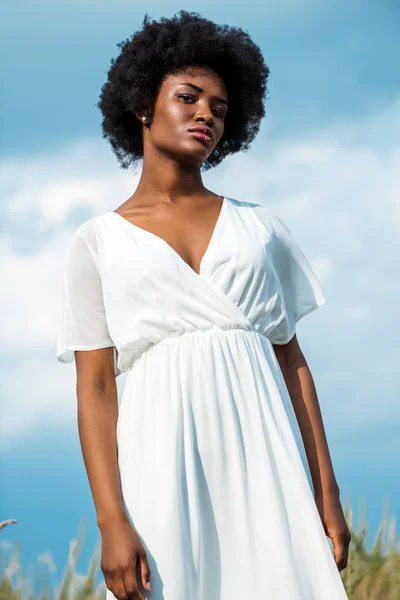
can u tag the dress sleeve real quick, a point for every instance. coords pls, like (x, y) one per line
(82, 324)
(301, 290)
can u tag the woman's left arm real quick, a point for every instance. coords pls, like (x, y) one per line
(300, 384)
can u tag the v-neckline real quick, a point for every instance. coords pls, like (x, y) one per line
(165, 243)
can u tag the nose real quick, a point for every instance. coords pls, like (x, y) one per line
(205, 114)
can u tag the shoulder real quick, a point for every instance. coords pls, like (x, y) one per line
(86, 234)
(83, 244)
(263, 214)
(84, 230)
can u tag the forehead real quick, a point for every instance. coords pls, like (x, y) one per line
(204, 77)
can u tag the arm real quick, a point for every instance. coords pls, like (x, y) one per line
(300, 384)
(84, 338)
(122, 548)
(303, 395)
(97, 420)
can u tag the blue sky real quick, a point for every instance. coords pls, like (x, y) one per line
(326, 159)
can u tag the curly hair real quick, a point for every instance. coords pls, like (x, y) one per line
(170, 46)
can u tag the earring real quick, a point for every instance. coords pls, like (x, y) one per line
(144, 119)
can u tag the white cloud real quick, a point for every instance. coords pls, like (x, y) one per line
(338, 190)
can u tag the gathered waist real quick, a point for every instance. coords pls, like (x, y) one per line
(171, 339)
(203, 335)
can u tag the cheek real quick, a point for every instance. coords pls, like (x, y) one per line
(172, 115)
(169, 127)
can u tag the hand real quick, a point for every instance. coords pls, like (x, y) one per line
(122, 549)
(335, 526)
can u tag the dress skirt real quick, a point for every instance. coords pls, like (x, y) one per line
(215, 477)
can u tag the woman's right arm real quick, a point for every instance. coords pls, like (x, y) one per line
(97, 397)
(84, 338)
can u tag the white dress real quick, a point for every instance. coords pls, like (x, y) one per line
(213, 469)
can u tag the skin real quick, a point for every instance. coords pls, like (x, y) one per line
(172, 202)
(301, 388)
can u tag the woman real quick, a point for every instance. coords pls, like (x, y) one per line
(213, 481)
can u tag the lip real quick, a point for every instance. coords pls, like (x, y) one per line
(205, 131)
(201, 136)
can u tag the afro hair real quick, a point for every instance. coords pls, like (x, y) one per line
(169, 47)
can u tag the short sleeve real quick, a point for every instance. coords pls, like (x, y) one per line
(301, 290)
(82, 324)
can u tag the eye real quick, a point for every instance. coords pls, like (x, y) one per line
(185, 96)
(219, 111)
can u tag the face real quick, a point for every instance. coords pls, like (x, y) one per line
(197, 97)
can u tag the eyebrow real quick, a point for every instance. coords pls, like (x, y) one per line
(199, 89)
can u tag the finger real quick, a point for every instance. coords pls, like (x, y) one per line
(116, 585)
(109, 584)
(346, 543)
(145, 571)
(130, 583)
(340, 551)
